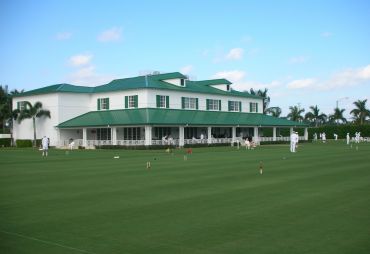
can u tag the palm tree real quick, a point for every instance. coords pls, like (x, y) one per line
(361, 112)
(33, 111)
(295, 113)
(338, 116)
(263, 94)
(274, 111)
(315, 116)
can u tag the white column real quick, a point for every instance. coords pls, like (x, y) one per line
(181, 136)
(84, 137)
(233, 134)
(114, 136)
(274, 134)
(209, 135)
(306, 133)
(256, 135)
(148, 135)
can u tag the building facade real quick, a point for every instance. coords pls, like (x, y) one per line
(148, 110)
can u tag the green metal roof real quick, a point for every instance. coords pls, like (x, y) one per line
(153, 116)
(142, 82)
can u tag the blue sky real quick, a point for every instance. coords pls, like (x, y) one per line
(304, 52)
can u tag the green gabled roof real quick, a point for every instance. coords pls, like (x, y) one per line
(141, 82)
(153, 116)
(61, 88)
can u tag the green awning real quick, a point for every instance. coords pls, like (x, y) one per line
(168, 117)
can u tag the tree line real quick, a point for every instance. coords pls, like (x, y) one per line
(360, 114)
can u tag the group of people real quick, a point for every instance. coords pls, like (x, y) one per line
(294, 138)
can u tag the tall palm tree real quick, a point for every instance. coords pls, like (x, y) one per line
(315, 116)
(338, 116)
(274, 111)
(33, 112)
(361, 112)
(263, 94)
(295, 113)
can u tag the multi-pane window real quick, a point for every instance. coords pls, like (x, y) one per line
(21, 105)
(160, 132)
(103, 103)
(189, 103)
(103, 134)
(235, 106)
(163, 101)
(213, 104)
(131, 133)
(253, 107)
(131, 101)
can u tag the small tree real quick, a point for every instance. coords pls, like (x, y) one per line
(360, 113)
(315, 117)
(295, 113)
(32, 112)
(338, 116)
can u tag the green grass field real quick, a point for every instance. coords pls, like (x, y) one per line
(314, 201)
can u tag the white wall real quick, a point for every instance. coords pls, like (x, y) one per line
(44, 126)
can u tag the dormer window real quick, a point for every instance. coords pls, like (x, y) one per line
(182, 82)
(228, 88)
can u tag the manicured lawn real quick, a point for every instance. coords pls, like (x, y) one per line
(314, 201)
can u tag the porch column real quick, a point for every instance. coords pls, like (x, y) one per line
(233, 129)
(148, 135)
(84, 137)
(274, 134)
(209, 135)
(114, 136)
(181, 136)
(256, 135)
(306, 133)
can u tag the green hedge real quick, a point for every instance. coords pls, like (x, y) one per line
(5, 142)
(27, 142)
(341, 130)
(285, 132)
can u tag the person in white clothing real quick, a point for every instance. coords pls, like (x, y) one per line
(292, 142)
(247, 144)
(347, 138)
(45, 146)
(323, 137)
(335, 136)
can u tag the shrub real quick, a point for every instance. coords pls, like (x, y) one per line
(5, 142)
(23, 143)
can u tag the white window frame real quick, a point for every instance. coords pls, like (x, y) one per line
(103, 103)
(162, 101)
(213, 105)
(131, 101)
(22, 105)
(190, 103)
(253, 107)
(234, 106)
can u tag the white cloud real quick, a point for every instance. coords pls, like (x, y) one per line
(326, 34)
(301, 83)
(348, 77)
(80, 60)
(87, 76)
(298, 59)
(112, 34)
(63, 36)
(233, 76)
(186, 69)
(235, 54)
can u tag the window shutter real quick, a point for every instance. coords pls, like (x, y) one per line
(240, 106)
(136, 99)
(196, 103)
(250, 106)
(98, 104)
(126, 101)
(182, 102)
(158, 100)
(257, 107)
(219, 105)
(228, 105)
(18, 105)
(167, 101)
(107, 103)
(207, 104)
